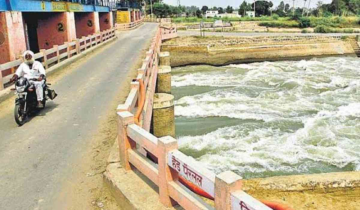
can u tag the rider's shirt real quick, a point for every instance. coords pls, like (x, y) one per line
(33, 73)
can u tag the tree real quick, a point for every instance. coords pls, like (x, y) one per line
(281, 6)
(198, 13)
(262, 8)
(204, 9)
(161, 10)
(191, 10)
(221, 10)
(287, 8)
(229, 9)
(354, 6)
(243, 8)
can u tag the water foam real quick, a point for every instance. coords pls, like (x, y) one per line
(321, 94)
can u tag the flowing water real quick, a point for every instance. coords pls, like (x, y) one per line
(271, 118)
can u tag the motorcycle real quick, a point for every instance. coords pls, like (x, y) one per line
(26, 101)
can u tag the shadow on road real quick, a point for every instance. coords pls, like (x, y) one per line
(50, 106)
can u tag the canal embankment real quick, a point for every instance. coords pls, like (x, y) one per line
(218, 51)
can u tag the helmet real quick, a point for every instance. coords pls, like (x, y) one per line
(29, 57)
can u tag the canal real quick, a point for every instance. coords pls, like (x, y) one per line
(271, 118)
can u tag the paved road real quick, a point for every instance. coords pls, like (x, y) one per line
(236, 34)
(36, 158)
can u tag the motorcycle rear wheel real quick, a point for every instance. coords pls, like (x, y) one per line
(20, 116)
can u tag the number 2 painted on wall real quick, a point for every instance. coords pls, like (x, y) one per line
(60, 27)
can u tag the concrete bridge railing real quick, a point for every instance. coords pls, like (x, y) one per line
(136, 143)
(168, 32)
(59, 53)
(129, 26)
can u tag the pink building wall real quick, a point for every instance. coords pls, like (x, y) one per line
(86, 23)
(12, 40)
(50, 32)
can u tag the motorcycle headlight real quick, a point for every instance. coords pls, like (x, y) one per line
(20, 89)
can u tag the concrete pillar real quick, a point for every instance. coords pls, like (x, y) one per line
(87, 23)
(163, 84)
(163, 122)
(12, 36)
(133, 16)
(111, 19)
(165, 59)
(166, 174)
(105, 20)
(56, 29)
(124, 120)
(225, 184)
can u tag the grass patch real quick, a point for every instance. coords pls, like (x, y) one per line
(330, 22)
(210, 20)
(325, 29)
(280, 24)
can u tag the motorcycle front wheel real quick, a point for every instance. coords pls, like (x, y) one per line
(19, 115)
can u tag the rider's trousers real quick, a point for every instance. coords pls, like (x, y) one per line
(39, 89)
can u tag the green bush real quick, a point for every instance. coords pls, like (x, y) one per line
(275, 17)
(327, 14)
(304, 31)
(280, 24)
(322, 29)
(348, 30)
(304, 22)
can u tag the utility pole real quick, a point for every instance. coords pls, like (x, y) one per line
(293, 7)
(303, 12)
(308, 8)
(254, 8)
(151, 10)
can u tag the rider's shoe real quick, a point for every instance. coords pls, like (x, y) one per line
(40, 104)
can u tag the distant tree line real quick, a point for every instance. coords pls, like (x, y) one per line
(263, 8)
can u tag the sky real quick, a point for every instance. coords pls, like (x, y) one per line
(236, 3)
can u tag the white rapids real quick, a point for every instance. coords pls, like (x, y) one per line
(277, 118)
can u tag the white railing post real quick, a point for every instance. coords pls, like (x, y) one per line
(166, 174)
(88, 45)
(124, 120)
(67, 49)
(45, 58)
(77, 46)
(225, 184)
(57, 53)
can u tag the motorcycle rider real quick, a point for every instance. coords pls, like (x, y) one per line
(33, 71)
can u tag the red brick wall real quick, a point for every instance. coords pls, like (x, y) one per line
(4, 40)
(12, 43)
(105, 19)
(87, 23)
(50, 32)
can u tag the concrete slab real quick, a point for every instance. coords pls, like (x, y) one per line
(130, 190)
